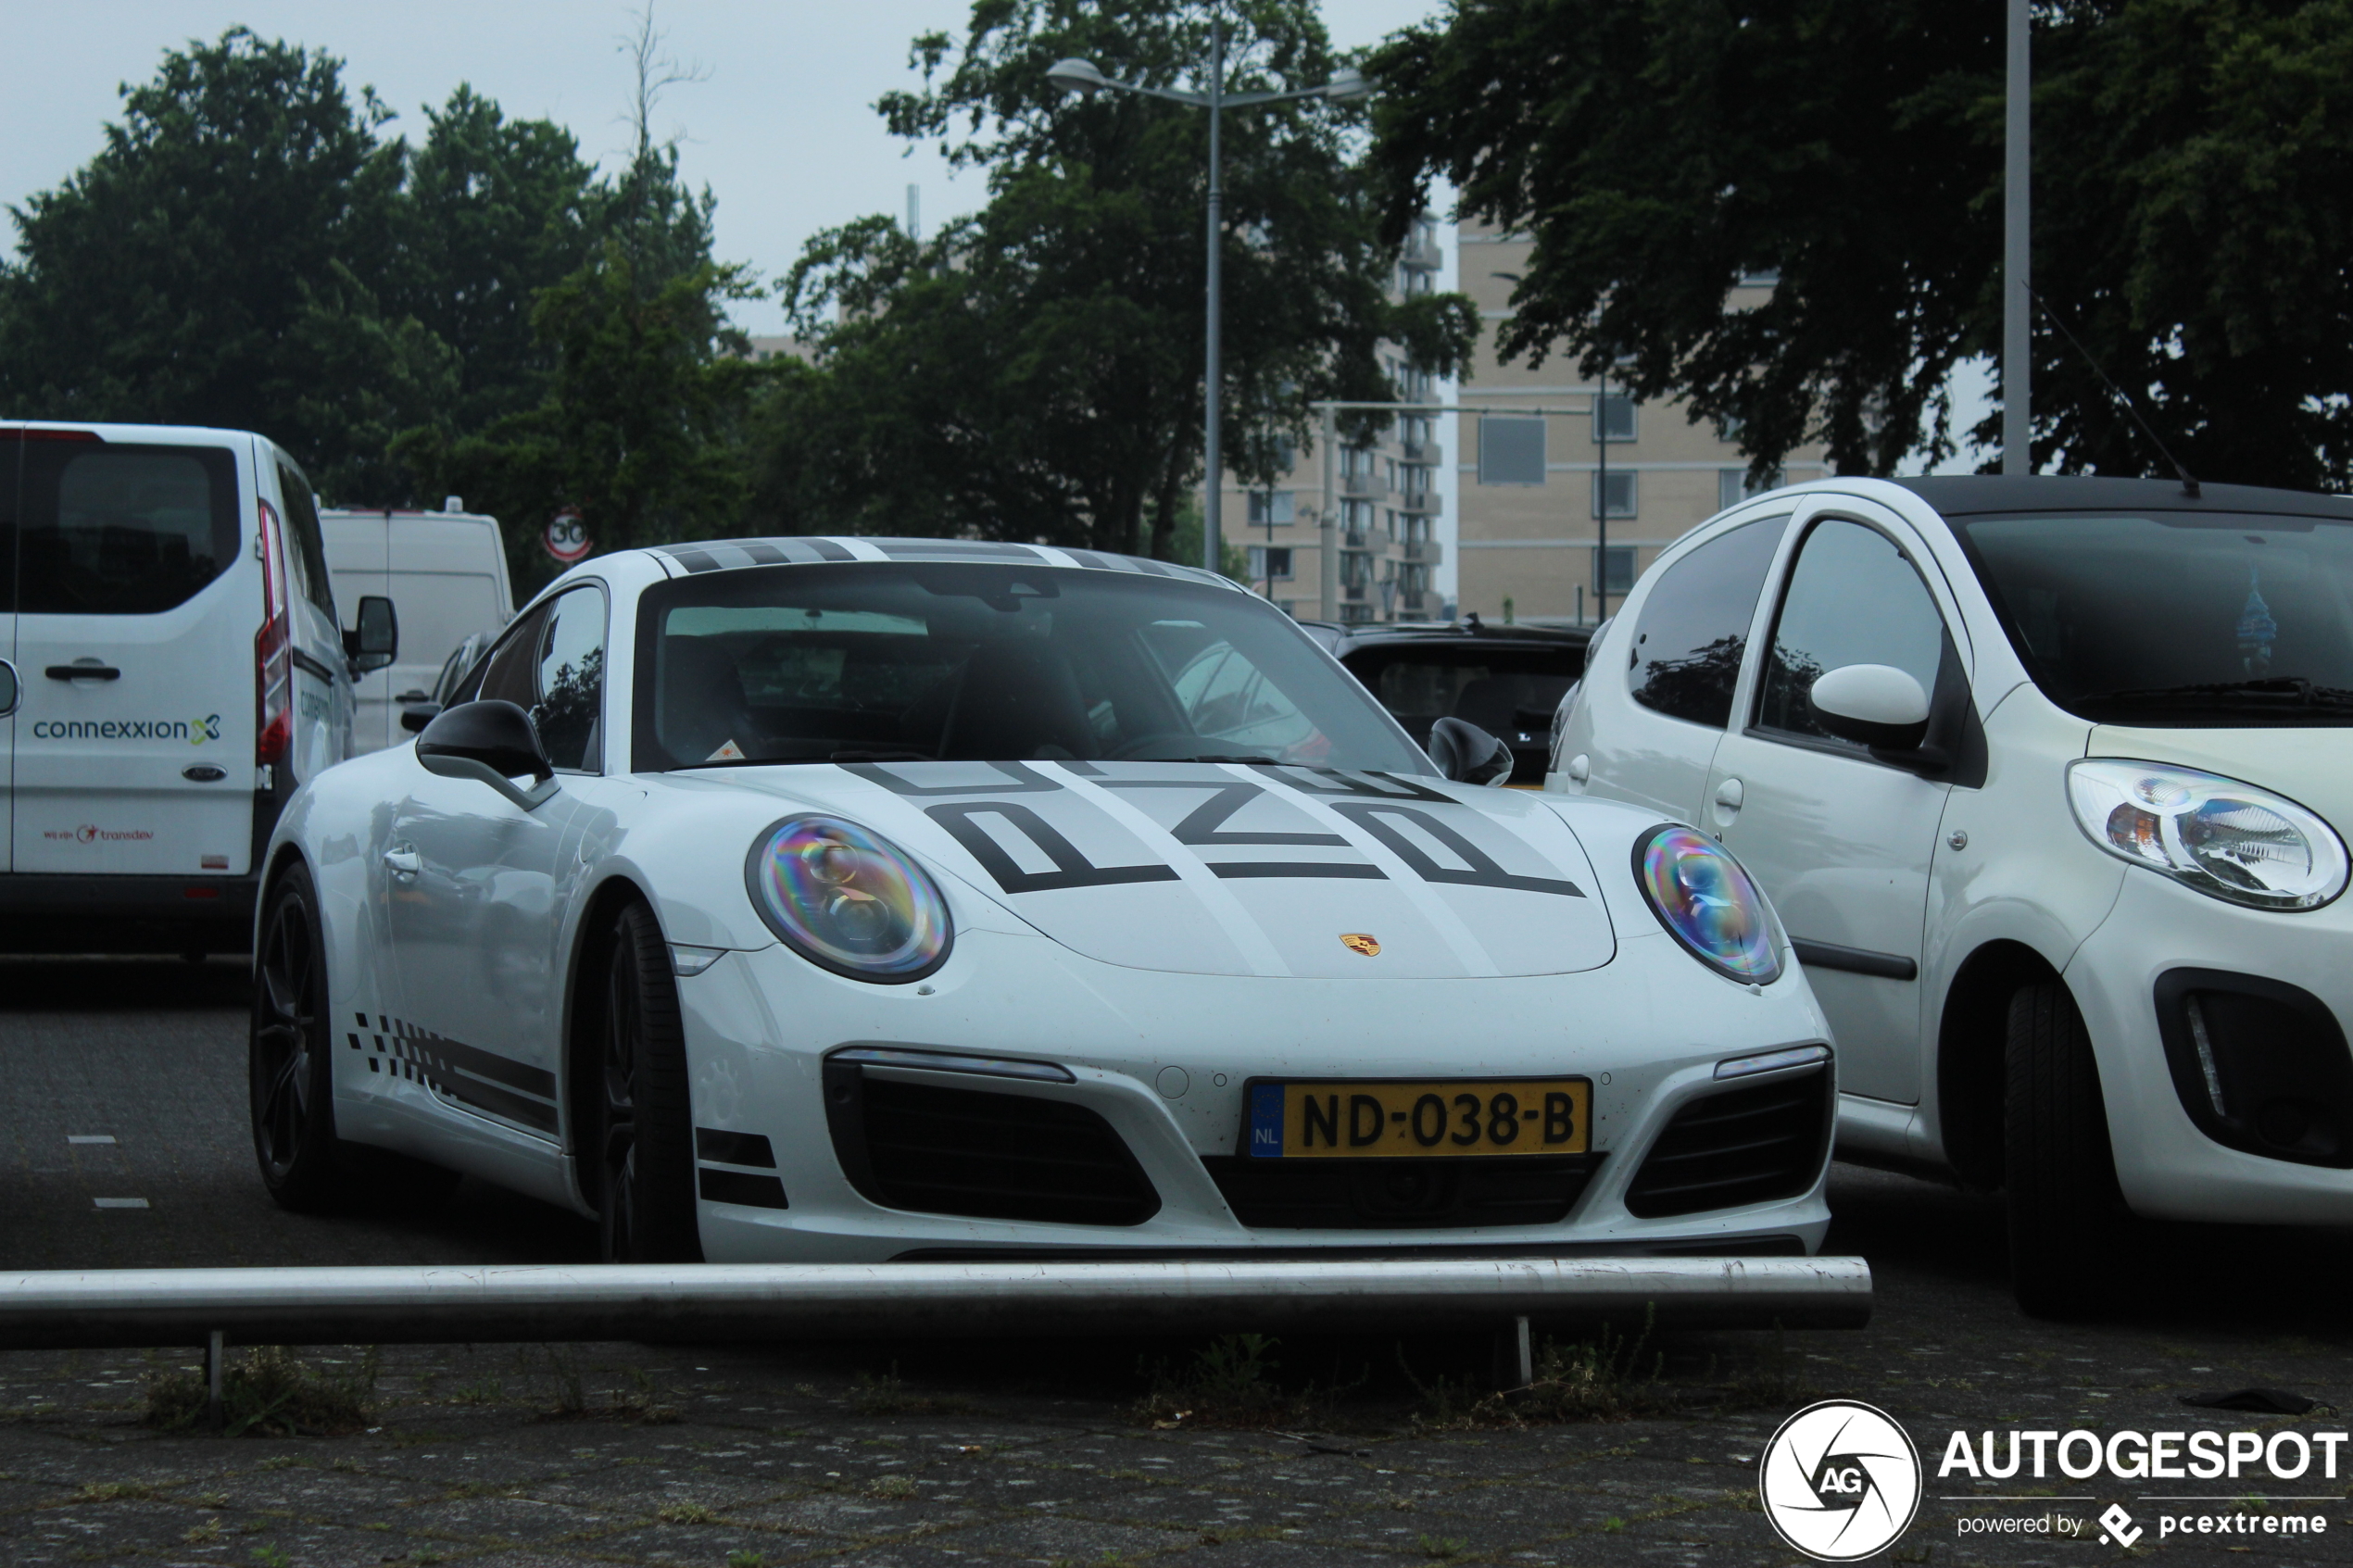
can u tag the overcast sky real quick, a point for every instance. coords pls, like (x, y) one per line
(783, 130)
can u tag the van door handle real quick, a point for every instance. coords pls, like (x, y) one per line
(93, 671)
(404, 860)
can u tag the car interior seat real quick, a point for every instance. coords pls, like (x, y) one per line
(702, 700)
(1018, 700)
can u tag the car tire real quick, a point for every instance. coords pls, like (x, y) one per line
(2065, 1209)
(643, 1154)
(290, 1068)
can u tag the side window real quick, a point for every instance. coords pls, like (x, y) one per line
(310, 546)
(569, 679)
(511, 674)
(1853, 598)
(1686, 656)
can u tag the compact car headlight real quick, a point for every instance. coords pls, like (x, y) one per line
(2227, 839)
(1702, 895)
(848, 900)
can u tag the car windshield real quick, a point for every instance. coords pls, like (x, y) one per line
(988, 662)
(1503, 691)
(2176, 618)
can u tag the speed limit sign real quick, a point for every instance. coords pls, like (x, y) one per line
(567, 536)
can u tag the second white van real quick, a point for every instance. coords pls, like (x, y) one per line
(445, 571)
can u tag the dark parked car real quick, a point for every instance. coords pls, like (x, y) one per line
(1506, 679)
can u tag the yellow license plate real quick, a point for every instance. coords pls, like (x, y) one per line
(1354, 1119)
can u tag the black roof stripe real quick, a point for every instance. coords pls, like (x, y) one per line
(827, 550)
(695, 561)
(717, 555)
(765, 554)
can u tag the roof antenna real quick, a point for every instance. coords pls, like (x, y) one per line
(2189, 485)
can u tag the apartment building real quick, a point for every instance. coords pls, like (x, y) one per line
(1549, 462)
(1382, 495)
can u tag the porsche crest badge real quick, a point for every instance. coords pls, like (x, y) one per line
(1361, 942)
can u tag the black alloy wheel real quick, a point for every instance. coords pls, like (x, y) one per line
(2066, 1214)
(290, 1069)
(643, 1146)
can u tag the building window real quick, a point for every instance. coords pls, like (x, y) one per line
(1614, 494)
(1733, 487)
(1273, 506)
(1613, 418)
(1270, 563)
(1760, 277)
(1510, 449)
(1620, 565)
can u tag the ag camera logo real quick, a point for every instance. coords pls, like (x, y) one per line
(1840, 1481)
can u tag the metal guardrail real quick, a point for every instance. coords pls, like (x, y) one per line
(744, 1301)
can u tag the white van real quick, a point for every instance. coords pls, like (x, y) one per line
(445, 571)
(171, 668)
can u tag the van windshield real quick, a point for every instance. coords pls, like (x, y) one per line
(2190, 619)
(122, 530)
(910, 661)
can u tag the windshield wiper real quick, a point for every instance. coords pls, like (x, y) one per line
(2278, 694)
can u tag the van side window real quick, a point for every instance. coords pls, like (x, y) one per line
(1853, 598)
(569, 680)
(1687, 649)
(310, 545)
(113, 529)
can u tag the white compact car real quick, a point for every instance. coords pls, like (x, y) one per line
(857, 899)
(2042, 774)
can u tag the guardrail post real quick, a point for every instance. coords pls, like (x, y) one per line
(215, 1416)
(1514, 1357)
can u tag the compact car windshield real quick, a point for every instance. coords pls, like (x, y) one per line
(875, 662)
(2190, 619)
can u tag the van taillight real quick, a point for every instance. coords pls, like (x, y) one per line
(273, 650)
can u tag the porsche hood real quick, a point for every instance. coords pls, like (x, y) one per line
(1233, 868)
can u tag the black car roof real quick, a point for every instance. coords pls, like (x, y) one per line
(1963, 495)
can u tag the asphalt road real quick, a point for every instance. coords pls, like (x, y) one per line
(920, 1453)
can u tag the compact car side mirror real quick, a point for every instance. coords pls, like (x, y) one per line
(1873, 705)
(375, 642)
(1467, 754)
(491, 742)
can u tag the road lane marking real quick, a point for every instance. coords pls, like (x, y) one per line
(89, 1137)
(120, 1202)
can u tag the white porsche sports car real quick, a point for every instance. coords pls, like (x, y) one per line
(858, 899)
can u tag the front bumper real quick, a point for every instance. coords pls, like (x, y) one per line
(2168, 1167)
(1161, 1061)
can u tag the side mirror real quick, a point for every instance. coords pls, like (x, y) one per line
(1873, 705)
(493, 742)
(9, 691)
(1467, 754)
(375, 642)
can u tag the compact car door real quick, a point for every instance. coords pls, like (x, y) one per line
(478, 886)
(1841, 841)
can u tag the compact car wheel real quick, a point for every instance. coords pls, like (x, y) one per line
(289, 1067)
(2065, 1206)
(644, 1142)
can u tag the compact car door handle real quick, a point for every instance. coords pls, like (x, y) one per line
(404, 860)
(90, 671)
(1729, 796)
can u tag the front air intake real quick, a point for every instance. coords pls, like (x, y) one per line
(1743, 1145)
(2259, 1065)
(981, 1154)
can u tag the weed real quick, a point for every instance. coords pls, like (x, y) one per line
(888, 1395)
(746, 1558)
(1230, 1383)
(108, 1491)
(572, 1397)
(210, 1500)
(685, 1513)
(898, 1487)
(489, 1391)
(1606, 1378)
(1434, 1546)
(268, 1392)
(270, 1557)
(1613, 1522)
(198, 1535)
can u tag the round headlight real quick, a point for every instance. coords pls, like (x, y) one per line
(2229, 840)
(848, 900)
(1702, 895)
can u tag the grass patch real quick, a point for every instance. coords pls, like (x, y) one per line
(1608, 1377)
(899, 1487)
(686, 1513)
(269, 1392)
(1231, 1382)
(888, 1395)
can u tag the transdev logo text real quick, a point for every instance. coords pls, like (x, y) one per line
(196, 732)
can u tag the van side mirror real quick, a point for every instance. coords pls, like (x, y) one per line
(375, 642)
(1873, 705)
(1467, 754)
(8, 692)
(493, 742)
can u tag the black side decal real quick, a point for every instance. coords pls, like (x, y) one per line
(480, 1079)
(1480, 870)
(1024, 780)
(1070, 868)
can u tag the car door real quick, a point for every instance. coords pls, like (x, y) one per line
(1654, 733)
(477, 886)
(1842, 840)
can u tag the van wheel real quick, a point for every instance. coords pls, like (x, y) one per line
(644, 1149)
(289, 1065)
(2066, 1209)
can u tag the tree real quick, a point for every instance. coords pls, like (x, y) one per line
(1035, 372)
(2190, 164)
(233, 231)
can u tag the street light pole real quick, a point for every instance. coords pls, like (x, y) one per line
(2018, 305)
(1082, 77)
(1212, 458)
